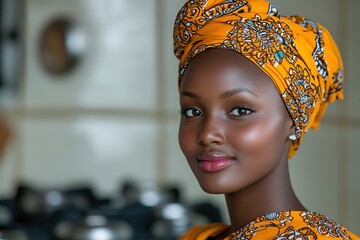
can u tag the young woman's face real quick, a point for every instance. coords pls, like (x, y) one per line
(234, 126)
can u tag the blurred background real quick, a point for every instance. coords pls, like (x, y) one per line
(89, 118)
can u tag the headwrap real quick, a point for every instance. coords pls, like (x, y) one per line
(298, 55)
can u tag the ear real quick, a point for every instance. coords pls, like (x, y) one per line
(291, 126)
(292, 129)
(291, 135)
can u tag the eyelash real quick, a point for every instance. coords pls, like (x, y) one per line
(184, 112)
(248, 110)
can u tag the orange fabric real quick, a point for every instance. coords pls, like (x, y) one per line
(278, 226)
(299, 55)
(204, 231)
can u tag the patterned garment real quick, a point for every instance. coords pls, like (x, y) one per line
(294, 225)
(298, 54)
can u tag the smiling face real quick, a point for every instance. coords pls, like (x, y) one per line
(234, 126)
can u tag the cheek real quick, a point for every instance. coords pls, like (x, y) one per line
(260, 138)
(185, 138)
(248, 142)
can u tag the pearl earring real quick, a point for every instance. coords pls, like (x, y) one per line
(292, 137)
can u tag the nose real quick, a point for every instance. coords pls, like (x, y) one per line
(211, 131)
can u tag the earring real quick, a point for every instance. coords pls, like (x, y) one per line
(292, 137)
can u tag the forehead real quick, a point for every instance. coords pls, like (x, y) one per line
(222, 70)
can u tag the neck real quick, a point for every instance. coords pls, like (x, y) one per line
(273, 193)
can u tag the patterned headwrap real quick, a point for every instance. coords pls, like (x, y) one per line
(298, 55)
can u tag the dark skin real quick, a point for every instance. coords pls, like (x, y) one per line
(234, 133)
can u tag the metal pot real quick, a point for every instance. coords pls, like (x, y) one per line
(94, 227)
(13, 235)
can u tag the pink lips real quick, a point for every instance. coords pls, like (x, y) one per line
(214, 161)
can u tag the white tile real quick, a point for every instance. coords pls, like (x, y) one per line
(9, 159)
(8, 163)
(314, 171)
(170, 68)
(118, 69)
(99, 151)
(354, 180)
(352, 74)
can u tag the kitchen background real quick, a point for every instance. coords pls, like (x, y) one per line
(107, 112)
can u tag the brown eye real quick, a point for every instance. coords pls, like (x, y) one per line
(192, 112)
(240, 111)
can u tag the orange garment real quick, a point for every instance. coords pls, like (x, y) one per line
(296, 225)
(298, 55)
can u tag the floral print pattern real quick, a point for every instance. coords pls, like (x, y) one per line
(286, 225)
(310, 226)
(265, 41)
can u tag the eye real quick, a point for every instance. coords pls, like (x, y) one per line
(191, 112)
(240, 111)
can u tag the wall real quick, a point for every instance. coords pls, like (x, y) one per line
(116, 115)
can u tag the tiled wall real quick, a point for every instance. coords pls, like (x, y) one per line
(116, 115)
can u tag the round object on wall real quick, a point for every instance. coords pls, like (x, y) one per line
(62, 45)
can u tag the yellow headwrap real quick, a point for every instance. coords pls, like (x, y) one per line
(298, 54)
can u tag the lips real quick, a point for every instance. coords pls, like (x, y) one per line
(214, 161)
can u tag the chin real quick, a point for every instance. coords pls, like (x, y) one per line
(211, 190)
(214, 187)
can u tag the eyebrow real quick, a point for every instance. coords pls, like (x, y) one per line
(236, 91)
(190, 94)
(226, 94)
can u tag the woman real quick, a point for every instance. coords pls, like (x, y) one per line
(251, 84)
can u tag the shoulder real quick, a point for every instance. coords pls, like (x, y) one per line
(323, 227)
(293, 225)
(204, 231)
